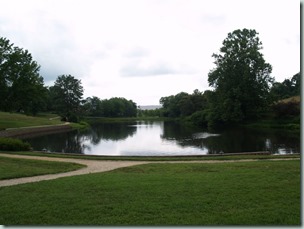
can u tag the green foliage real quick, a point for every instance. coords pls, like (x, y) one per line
(241, 78)
(21, 86)
(113, 107)
(66, 95)
(291, 108)
(156, 113)
(183, 104)
(199, 118)
(288, 88)
(69, 116)
(12, 144)
(290, 123)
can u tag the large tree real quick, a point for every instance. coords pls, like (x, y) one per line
(241, 78)
(21, 86)
(66, 95)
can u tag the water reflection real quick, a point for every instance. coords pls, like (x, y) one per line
(164, 139)
(113, 132)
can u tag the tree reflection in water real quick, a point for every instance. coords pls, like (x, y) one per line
(171, 138)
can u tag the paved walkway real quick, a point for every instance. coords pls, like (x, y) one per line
(96, 166)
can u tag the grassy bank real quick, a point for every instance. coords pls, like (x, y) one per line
(11, 144)
(17, 125)
(14, 120)
(16, 168)
(155, 158)
(255, 193)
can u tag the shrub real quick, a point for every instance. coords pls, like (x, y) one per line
(11, 144)
(291, 108)
(199, 118)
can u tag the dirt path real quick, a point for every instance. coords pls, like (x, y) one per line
(96, 166)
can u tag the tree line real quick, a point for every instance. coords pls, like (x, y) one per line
(113, 107)
(22, 90)
(243, 88)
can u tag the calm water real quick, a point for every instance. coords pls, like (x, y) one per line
(164, 139)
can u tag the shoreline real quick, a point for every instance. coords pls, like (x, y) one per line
(35, 130)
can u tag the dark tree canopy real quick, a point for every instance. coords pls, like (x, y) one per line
(66, 95)
(241, 77)
(288, 88)
(113, 107)
(183, 104)
(21, 86)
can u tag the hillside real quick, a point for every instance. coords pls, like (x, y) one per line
(16, 120)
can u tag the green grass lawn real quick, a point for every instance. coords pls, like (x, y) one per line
(16, 168)
(14, 120)
(251, 193)
(153, 158)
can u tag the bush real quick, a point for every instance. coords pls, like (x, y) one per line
(199, 118)
(11, 144)
(291, 108)
(70, 117)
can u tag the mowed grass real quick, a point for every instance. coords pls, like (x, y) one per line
(14, 120)
(155, 158)
(16, 168)
(240, 193)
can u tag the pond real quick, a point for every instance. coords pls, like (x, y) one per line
(158, 138)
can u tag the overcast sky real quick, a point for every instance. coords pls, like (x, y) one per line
(146, 49)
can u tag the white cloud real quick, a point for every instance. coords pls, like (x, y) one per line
(163, 46)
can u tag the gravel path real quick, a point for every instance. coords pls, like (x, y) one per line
(95, 166)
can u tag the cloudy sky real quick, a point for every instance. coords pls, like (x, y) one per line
(146, 49)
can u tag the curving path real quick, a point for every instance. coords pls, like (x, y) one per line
(96, 166)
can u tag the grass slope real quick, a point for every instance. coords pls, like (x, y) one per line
(16, 168)
(13, 120)
(252, 193)
(153, 158)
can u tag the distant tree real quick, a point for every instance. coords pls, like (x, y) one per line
(66, 97)
(288, 88)
(241, 78)
(198, 100)
(113, 107)
(92, 106)
(118, 107)
(183, 104)
(130, 108)
(296, 81)
(158, 112)
(5, 51)
(172, 104)
(21, 86)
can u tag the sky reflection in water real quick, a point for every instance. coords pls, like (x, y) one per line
(164, 139)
